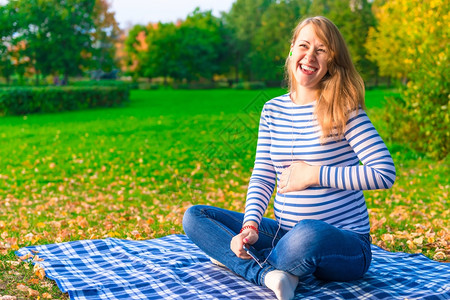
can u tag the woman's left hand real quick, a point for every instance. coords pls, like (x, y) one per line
(298, 177)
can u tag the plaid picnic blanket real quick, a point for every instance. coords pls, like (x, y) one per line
(172, 267)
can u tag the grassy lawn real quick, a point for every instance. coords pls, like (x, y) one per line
(131, 173)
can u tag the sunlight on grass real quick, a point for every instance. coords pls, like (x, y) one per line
(132, 172)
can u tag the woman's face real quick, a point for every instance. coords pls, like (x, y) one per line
(309, 58)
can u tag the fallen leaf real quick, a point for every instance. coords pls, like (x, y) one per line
(39, 271)
(22, 287)
(440, 256)
(33, 281)
(387, 238)
(33, 293)
(411, 245)
(418, 241)
(8, 297)
(26, 256)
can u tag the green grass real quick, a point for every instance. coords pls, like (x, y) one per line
(131, 172)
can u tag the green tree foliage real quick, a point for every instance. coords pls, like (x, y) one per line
(8, 22)
(56, 34)
(412, 41)
(105, 37)
(161, 57)
(243, 22)
(261, 32)
(190, 50)
(200, 47)
(272, 40)
(353, 18)
(134, 47)
(57, 37)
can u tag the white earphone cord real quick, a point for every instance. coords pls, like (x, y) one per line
(289, 177)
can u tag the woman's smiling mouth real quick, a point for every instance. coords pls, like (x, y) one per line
(307, 69)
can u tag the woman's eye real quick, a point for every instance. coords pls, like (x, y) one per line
(303, 45)
(321, 50)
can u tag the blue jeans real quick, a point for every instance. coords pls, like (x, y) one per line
(311, 247)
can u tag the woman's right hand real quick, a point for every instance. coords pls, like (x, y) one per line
(247, 237)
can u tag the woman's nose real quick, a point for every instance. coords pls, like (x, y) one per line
(309, 56)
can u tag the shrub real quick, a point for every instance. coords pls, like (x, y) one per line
(418, 37)
(114, 83)
(148, 86)
(249, 85)
(27, 100)
(195, 85)
(420, 118)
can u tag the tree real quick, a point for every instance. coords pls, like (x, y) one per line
(201, 46)
(57, 34)
(105, 36)
(353, 18)
(272, 40)
(243, 22)
(191, 50)
(135, 46)
(8, 22)
(412, 41)
(161, 57)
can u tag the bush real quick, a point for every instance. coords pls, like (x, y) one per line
(27, 100)
(249, 85)
(420, 120)
(194, 86)
(419, 55)
(148, 86)
(114, 83)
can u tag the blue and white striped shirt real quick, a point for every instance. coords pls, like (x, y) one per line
(289, 132)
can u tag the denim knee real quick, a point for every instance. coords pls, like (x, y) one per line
(312, 234)
(190, 218)
(302, 245)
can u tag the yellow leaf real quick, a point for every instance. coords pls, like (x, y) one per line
(39, 271)
(440, 256)
(40, 225)
(387, 238)
(418, 241)
(411, 245)
(46, 296)
(26, 256)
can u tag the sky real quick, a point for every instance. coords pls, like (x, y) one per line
(132, 12)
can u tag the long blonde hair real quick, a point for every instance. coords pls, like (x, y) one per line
(342, 88)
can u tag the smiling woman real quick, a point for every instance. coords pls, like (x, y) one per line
(308, 62)
(310, 145)
(320, 62)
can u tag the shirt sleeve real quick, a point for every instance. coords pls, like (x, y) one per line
(262, 181)
(377, 170)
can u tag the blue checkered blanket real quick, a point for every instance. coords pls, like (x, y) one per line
(172, 267)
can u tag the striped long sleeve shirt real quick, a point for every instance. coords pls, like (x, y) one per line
(358, 161)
